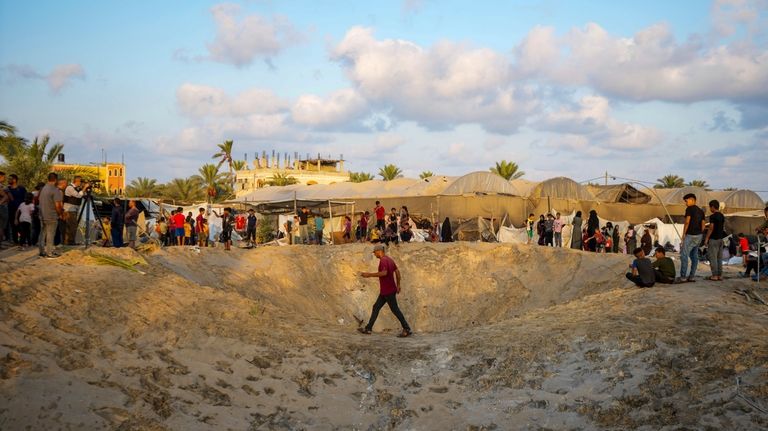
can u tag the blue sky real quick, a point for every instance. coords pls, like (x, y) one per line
(639, 89)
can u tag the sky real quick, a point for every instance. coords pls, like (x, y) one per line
(562, 88)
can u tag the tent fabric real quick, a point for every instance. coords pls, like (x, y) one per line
(525, 187)
(675, 196)
(561, 188)
(482, 183)
(742, 199)
(619, 193)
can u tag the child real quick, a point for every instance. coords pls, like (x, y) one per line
(162, 230)
(529, 224)
(24, 220)
(204, 232)
(227, 224)
(664, 267)
(188, 231)
(642, 270)
(743, 244)
(375, 234)
(347, 229)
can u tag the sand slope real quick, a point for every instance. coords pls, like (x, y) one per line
(507, 337)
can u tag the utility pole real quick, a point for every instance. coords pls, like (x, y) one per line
(606, 178)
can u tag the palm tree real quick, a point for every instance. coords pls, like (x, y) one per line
(31, 162)
(669, 181)
(698, 183)
(360, 177)
(225, 155)
(282, 179)
(507, 170)
(142, 187)
(186, 190)
(390, 172)
(239, 165)
(426, 174)
(211, 179)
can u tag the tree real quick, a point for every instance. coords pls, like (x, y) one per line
(282, 179)
(426, 174)
(360, 177)
(507, 170)
(213, 181)
(31, 162)
(143, 187)
(239, 165)
(698, 183)
(225, 156)
(184, 190)
(390, 172)
(669, 181)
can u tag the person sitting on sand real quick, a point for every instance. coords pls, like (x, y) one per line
(664, 267)
(389, 284)
(375, 234)
(642, 270)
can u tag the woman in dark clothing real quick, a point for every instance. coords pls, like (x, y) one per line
(540, 228)
(616, 239)
(576, 234)
(593, 224)
(446, 232)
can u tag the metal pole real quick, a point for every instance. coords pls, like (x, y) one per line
(330, 221)
(88, 203)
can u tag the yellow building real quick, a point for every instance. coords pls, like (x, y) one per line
(111, 176)
(307, 171)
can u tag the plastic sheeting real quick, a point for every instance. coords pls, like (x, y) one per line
(675, 196)
(619, 193)
(742, 199)
(561, 188)
(481, 182)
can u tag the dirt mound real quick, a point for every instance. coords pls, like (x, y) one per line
(506, 337)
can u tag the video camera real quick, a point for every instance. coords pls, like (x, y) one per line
(93, 184)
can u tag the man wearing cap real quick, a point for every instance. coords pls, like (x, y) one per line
(387, 275)
(692, 232)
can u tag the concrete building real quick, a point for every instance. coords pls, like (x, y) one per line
(306, 171)
(111, 176)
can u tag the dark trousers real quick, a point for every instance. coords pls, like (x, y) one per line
(24, 233)
(250, 234)
(35, 229)
(380, 224)
(117, 236)
(390, 300)
(661, 278)
(638, 282)
(548, 236)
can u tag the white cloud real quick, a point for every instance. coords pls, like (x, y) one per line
(201, 101)
(439, 87)
(337, 109)
(389, 141)
(242, 39)
(59, 78)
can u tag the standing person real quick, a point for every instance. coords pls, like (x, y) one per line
(390, 286)
(250, 228)
(540, 229)
(131, 222)
(202, 237)
(530, 224)
(364, 226)
(227, 224)
(188, 230)
(5, 199)
(172, 228)
(664, 267)
(446, 231)
(116, 223)
(62, 225)
(51, 211)
(178, 225)
(692, 232)
(304, 225)
(73, 198)
(192, 228)
(608, 233)
(162, 230)
(630, 238)
(558, 226)
(296, 230)
(319, 227)
(18, 196)
(204, 232)
(405, 216)
(642, 273)
(593, 225)
(36, 215)
(379, 212)
(347, 229)
(615, 238)
(576, 234)
(549, 230)
(646, 242)
(714, 240)
(24, 221)
(288, 226)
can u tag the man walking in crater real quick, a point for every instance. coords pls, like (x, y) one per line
(389, 283)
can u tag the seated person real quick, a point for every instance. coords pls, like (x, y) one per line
(390, 235)
(750, 262)
(405, 232)
(642, 270)
(375, 235)
(664, 267)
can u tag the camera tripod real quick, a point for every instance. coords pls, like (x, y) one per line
(85, 207)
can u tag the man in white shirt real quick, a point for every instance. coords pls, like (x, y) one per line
(73, 197)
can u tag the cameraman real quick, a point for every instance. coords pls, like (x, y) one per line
(73, 197)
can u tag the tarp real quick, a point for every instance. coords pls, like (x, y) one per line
(561, 188)
(481, 183)
(741, 199)
(620, 193)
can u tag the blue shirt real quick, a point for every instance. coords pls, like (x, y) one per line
(319, 223)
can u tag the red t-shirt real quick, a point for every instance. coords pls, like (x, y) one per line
(178, 220)
(387, 283)
(380, 213)
(240, 223)
(744, 244)
(199, 223)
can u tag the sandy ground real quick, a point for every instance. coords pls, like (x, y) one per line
(506, 337)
